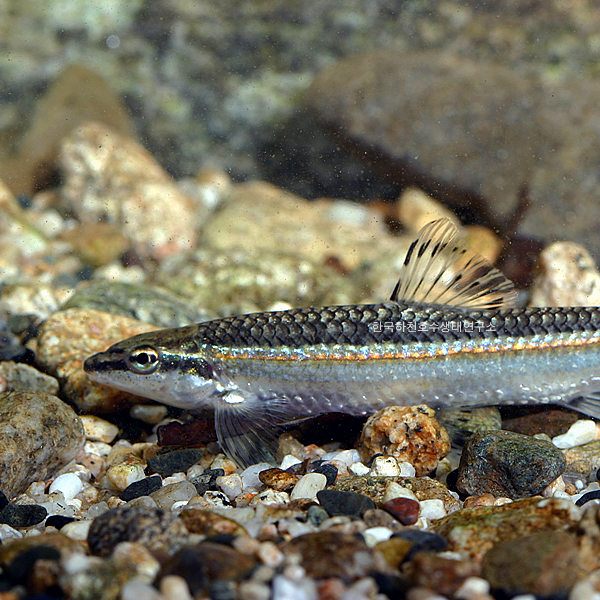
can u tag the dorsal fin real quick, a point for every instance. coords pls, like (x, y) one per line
(439, 268)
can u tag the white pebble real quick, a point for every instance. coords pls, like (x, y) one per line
(432, 509)
(135, 589)
(407, 470)
(358, 468)
(97, 509)
(385, 466)
(254, 590)
(344, 456)
(8, 533)
(250, 480)
(230, 485)
(395, 490)
(308, 486)
(581, 432)
(270, 555)
(77, 530)
(269, 496)
(374, 535)
(148, 413)
(98, 430)
(473, 588)
(173, 587)
(97, 448)
(289, 460)
(285, 588)
(68, 484)
(122, 475)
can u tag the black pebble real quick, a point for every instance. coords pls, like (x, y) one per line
(23, 515)
(344, 503)
(594, 495)
(423, 541)
(393, 586)
(330, 471)
(143, 487)
(58, 521)
(21, 565)
(207, 481)
(177, 461)
(3, 501)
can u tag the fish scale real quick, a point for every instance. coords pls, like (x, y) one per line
(330, 325)
(448, 336)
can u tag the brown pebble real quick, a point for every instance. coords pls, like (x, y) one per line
(478, 501)
(208, 523)
(279, 480)
(444, 575)
(394, 550)
(406, 510)
(409, 434)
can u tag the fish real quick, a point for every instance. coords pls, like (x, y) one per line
(449, 336)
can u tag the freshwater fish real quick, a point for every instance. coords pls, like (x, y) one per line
(449, 336)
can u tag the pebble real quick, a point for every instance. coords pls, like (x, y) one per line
(23, 515)
(148, 413)
(278, 479)
(39, 434)
(68, 484)
(173, 587)
(473, 531)
(344, 503)
(70, 336)
(543, 563)
(150, 527)
(409, 434)
(330, 471)
(58, 521)
(385, 466)
(207, 481)
(206, 563)
(432, 509)
(567, 276)
(98, 430)
(326, 554)
(122, 475)
(146, 205)
(374, 535)
(141, 487)
(230, 485)
(508, 464)
(209, 523)
(167, 495)
(77, 530)
(581, 432)
(422, 541)
(309, 486)
(176, 461)
(147, 303)
(285, 588)
(250, 476)
(405, 510)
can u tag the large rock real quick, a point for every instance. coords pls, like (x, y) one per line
(112, 178)
(480, 126)
(39, 434)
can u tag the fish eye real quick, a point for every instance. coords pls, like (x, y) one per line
(143, 360)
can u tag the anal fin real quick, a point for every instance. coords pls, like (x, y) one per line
(589, 406)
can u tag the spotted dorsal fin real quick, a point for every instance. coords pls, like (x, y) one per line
(439, 268)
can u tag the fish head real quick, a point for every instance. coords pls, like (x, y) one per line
(168, 366)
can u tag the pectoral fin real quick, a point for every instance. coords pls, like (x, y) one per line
(248, 426)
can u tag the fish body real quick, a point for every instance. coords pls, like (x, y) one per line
(446, 338)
